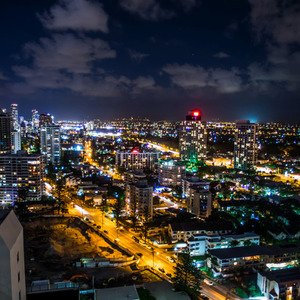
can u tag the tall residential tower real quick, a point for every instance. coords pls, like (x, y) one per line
(193, 138)
(245, 145)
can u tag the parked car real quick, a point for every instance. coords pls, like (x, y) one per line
(162, 270)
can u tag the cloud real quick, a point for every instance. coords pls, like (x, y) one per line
(81, 15)
(68, 52)
(276, 26)
(147, 9)
(193, 77)
(137, 56)
(279, 20)
(221, 55)
(2, 77)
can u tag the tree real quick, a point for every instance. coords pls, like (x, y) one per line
(186, 276)
(103, 207)
(117, 208)
(234, 243)
(22, 193)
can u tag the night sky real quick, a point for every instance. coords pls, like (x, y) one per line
(85, 59)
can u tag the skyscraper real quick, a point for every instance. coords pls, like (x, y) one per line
(35, 121)
(21, 173)
(5, 132)
(16, 129)
(192, 138)
(245, 145)
(50, 143)
(14, 116)
(45, 119)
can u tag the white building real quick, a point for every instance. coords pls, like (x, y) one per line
(245, 145)
(136, 160)
(24, 172)
(280, 284)
(50, 143)
(12, 271)
(199, 244)
(170, 173)
(193, 138)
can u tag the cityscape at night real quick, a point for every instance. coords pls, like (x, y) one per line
(150, 150)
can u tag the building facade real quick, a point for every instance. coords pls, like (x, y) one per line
(192, 138)
(171, 173)
(21, 177)
(50, 143)
(199, 244)
(35, 121)
(194, 181)
(280, 284)
(12, 271)
(139, 199)
(245, 145)
(136, 160)
(5, 132)
(199, 202)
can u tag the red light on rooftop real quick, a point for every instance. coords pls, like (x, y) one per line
(135, 151)
(196, 113)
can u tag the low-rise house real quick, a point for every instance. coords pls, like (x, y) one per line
(199, 244)
(226, 261)
(183, 231)
(280, 284)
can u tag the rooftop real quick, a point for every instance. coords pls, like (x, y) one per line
(254, 250)
(117, 293)
(283, 276)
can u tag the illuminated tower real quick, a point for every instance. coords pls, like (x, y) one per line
(50, 143)
(245, 145)
(5, 132)
(35, 120)
(15, 116)
(193, 138)
(16, 129)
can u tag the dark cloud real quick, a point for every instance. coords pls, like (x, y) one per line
(192, 77)
(81, 15)
(147, 9)
(137, 56)
(221, 55)
(276, 24)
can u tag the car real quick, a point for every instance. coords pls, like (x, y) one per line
(162, 270)
(204, 297)
(139, 254)
(117, 241)
(106, 231)
(169, 275)
(99, 227)
(208, 282)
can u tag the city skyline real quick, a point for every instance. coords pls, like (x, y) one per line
(109, 59)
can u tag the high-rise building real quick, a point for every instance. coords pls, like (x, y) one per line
(136, 160)
(50, 143)
(15, 116)
(15, 141)
(21, 177)
(171, 173)
(139, 199)
(35, 121)
(193, 138)
(199, 202)
(12, 271)
(245, 145)
(45, 119)
(16, 129)
(5, 132)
